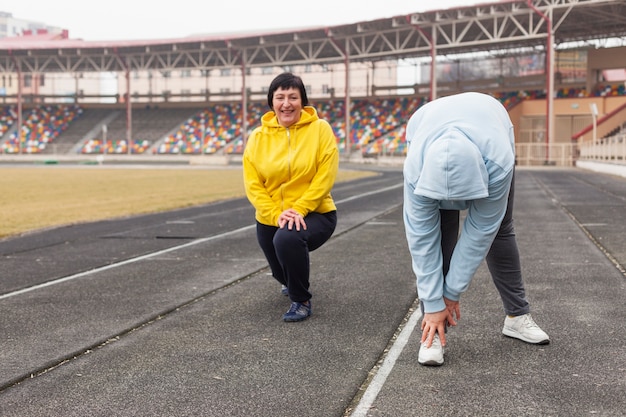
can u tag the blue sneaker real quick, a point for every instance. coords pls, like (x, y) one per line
(297, 312)
(284, 290)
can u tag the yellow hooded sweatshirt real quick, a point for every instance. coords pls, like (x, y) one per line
(291, 167)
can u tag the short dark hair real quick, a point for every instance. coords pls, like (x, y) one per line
(285, 81)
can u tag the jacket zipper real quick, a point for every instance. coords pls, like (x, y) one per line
(288, 166)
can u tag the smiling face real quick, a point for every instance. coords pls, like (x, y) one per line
(287, 105)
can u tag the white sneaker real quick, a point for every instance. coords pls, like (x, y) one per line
(524, 328)
(432, 356)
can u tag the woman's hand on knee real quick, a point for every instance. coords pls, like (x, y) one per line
(291, 219)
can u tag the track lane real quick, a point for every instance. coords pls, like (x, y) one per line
(227, 353)
(102, 303)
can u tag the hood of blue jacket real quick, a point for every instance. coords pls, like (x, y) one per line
(453, 169)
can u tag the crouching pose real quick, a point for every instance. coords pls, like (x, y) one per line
(290, 164)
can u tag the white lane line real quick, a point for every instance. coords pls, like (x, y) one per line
(368, 398)
(161, 252)
(126, 262)
(380, 190)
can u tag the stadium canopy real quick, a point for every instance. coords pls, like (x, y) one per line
(504, 25)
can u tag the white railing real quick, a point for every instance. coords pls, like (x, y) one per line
(561, 154)
(612, 149)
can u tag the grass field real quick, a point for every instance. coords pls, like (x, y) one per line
(41, 197)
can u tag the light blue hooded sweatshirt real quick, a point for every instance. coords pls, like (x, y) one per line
(461, 156)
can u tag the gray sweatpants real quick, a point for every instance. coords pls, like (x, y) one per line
(503, 257)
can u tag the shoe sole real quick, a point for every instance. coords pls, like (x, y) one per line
(290, 320)
(430, 363)
(515, 335)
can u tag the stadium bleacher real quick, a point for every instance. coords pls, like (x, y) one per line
(8, 116)
(41, 125)
(149, 126)
(610, 90)
(377, 125)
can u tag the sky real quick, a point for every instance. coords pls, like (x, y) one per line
(142, 19)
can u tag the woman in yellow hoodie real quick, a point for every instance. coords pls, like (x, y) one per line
(289, 165)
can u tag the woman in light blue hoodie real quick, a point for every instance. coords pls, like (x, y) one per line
(461, 156)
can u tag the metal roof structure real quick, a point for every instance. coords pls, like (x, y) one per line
(497, 26)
